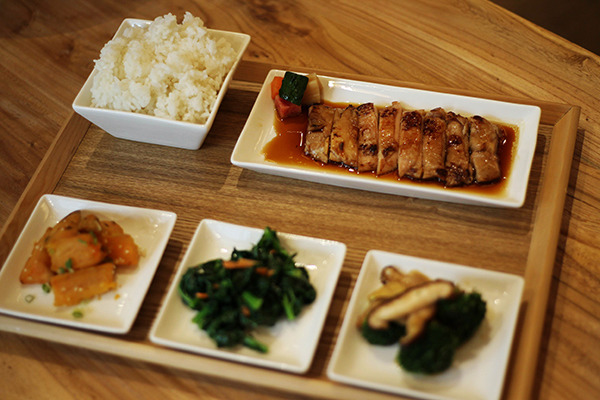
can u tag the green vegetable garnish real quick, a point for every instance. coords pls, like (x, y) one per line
(433, 352)
(29, 298)
(94, 237)
(77, 314)
(46, 288)
(383, 337)
(252, 301)
(455, 321)
(293, 87)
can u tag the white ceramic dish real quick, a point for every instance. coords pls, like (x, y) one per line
(259, 130)
(292, 344)
(113, 312)
(151, 129)
(479, 365)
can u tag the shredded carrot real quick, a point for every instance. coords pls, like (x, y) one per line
(264, 271)
(241, 263)
(201, 295)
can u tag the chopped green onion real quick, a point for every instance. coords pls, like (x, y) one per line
(29, 298)
(69, 265)
(94, 237)
(77, 314)
(46, 288)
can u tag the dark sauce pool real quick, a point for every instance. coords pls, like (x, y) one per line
(287, 149)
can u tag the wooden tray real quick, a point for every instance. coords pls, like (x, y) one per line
(85, 162)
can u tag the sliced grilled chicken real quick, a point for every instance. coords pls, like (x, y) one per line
(410, 152)
(483, 141)
(367, 137)
(434, 144)
(458, 164)
(316, 141)
(389, 125)
(344, 137)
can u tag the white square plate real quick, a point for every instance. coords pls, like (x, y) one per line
(479, 365)
(292, 344)
(149, 128)
(259, 130)
(113, 312)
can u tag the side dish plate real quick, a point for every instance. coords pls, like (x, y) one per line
(259, 130)
(479, 365)
(113, 312)
(292, 344)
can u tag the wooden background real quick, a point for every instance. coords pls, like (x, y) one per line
(47, 51)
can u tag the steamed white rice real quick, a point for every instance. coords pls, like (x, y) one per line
(165, 69)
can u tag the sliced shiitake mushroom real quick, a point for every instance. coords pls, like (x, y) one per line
(372, 304)
(411, 300)
(416, 323)
(392, 274)
(388, 291)
(395, 283)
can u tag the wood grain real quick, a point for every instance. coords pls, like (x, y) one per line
(47, 50)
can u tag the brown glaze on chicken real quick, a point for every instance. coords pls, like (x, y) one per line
(316, 141)
(389, 125)
(434, 144)
(458, 163)
(367, 137)
(484, 138)
(344, 137)
(410, 152)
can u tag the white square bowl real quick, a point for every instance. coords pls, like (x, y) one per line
(149, 128)
(113, 312)
(479, 365)
(292, 344)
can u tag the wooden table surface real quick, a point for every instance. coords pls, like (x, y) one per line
(47, 51)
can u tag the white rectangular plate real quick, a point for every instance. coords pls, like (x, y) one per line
(149, 128)
(113, 312)
(259, 130)
(292, 344)
(479, 366)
